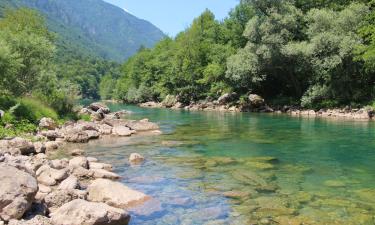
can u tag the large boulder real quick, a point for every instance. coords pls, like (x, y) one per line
(81, 212)
(256, 101)
(97, 106)
(79, 161)
(47, 123)
(226, 98)
(17, 191)
(115, 194)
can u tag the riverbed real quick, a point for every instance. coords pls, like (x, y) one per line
(244, 168)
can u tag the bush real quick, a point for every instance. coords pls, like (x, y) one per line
(6, 102)
(18, 128)
(33, 110)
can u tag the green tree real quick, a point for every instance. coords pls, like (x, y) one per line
(29, 40)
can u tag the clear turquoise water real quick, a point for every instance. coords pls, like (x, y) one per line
(243, 168)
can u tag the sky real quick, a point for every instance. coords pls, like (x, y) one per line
(173, 16)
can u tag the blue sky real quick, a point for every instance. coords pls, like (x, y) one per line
(173, 16)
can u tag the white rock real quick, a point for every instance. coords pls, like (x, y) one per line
(47, 123)
(122, 131)
(79, 162)
(100, 173)
(104, 166)
(115, 194)
(69, 183)
(136, 158)
(80, 212)
(17, 191)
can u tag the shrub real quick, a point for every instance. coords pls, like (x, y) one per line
(33, 110)
(6, 102)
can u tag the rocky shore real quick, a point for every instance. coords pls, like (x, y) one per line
(37, 190)
(255, 103)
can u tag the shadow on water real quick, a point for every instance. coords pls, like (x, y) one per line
(240, 168)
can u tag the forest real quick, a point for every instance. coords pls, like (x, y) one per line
(312, 54)
(39, 77)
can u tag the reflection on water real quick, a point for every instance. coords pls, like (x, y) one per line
(223, 168)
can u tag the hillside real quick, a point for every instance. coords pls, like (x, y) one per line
(93, 27)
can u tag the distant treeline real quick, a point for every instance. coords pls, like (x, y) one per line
(304, 52)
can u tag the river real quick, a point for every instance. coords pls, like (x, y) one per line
(244, 168)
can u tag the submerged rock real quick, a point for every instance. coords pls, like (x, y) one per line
(81, 212)
(115, 194)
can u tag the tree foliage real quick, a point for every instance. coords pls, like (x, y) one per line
(317, 53)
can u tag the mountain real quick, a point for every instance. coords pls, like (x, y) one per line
(94, 27)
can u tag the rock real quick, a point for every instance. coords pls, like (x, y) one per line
(49, 176)
(255, 100)
(136, 158)
(142, 125)
(47, 123)
(82, 173)
(77, 137)
(17, 191)
(44, 189)
(100, 173)
(56, 199)
(79, 162)
(104, 166)
(105, 129)
(39, 147)
(69, 183)
(80, 212)
(36, 220)
(148, 209)
(226, 98)
(59, 163)
(93, 134)
(51, 145)
(99, 106)
(2, 113)
(24, 146)
(92, 159)
(122, 131)
(169, 101)
(77, 152)
(50, 134)
(97, 116)
(115, 194)
(150, 105)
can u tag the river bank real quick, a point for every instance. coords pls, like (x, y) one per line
(37, 189)
(256, 103)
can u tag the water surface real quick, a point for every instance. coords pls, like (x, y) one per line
(243, 168)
